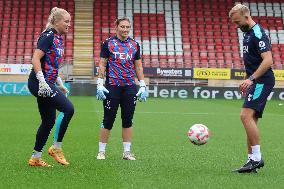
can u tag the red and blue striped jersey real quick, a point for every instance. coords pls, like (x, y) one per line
(51, 43)
(121, 55)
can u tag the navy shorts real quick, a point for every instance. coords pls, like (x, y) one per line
(256, 97)
(123, 96)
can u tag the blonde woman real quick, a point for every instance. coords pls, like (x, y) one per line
(45, 84)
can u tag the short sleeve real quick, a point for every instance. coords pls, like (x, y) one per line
(261, 40)
(45, 41)
(137, 55)
(104, 50)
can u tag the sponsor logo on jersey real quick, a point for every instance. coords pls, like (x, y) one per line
(245, 49)
(60, 51)
(122, 56)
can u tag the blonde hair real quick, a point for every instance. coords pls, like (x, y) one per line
(55, 15)
(242, 9)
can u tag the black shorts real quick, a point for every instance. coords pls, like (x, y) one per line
(256, 97)
(123, 96)
(119, 92)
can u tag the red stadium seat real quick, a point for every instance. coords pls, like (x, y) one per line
(22, 28)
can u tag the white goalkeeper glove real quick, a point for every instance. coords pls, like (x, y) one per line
(142, 92)
(61, 85)
(44, 89)
(101, 90)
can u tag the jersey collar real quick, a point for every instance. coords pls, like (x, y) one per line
(127, 40)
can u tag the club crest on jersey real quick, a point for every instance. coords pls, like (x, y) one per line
(122, 56)
(249, 97)
(261, 45)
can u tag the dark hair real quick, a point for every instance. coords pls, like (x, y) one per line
(117, 21)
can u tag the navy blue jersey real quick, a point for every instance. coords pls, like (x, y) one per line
(51, 43)
(256, 42)
(121, 55)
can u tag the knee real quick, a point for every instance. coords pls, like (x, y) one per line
(107, 125)
(109, 119)
(48, 122)
(127, 123)
(244, 117)
(108, 122)
(69, 111)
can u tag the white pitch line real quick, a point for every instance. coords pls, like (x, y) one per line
(195, 113)
(176, 113)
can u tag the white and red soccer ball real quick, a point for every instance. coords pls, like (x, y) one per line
(198, 134)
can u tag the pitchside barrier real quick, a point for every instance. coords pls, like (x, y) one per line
(155, 91)
(200, 73)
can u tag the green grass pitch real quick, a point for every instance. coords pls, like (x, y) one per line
(165, 157)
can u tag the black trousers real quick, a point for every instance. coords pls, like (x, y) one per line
(47, 108)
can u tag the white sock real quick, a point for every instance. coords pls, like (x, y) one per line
(57, 145)
(102, 147)
(36, 154)
(256, 155)
(249, 157)
(126, 146)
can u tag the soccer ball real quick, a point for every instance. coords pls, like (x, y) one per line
(198, 134)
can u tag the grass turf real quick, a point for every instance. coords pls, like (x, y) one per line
(165, 157)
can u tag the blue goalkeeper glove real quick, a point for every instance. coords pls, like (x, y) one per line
(142, 92)
(44, 89)
(101, 90)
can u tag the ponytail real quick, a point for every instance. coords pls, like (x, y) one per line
(55, 14)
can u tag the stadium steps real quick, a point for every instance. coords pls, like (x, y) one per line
(83, 41)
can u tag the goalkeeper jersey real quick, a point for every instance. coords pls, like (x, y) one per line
(51, 43)
(121, 56)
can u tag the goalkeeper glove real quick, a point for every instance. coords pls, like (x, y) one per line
(142, 92)
(101, 90)
(44, 89)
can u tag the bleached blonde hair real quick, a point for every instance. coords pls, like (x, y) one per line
(242, 9)
(55, 15)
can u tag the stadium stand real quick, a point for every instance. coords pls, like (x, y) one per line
(105, 13)
(189, 33)
(83, 59)
(22, 22)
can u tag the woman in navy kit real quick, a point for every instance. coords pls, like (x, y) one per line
(120, 61)
(42, 84)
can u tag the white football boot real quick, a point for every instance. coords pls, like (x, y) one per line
(128, 156)
(101, 156)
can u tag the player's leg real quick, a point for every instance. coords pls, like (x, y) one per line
(128, 103)
(249, 150)
(48, 114)
(110, 110)
(66, 108)
(247, 118)
(253, 107)
(64, 105)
